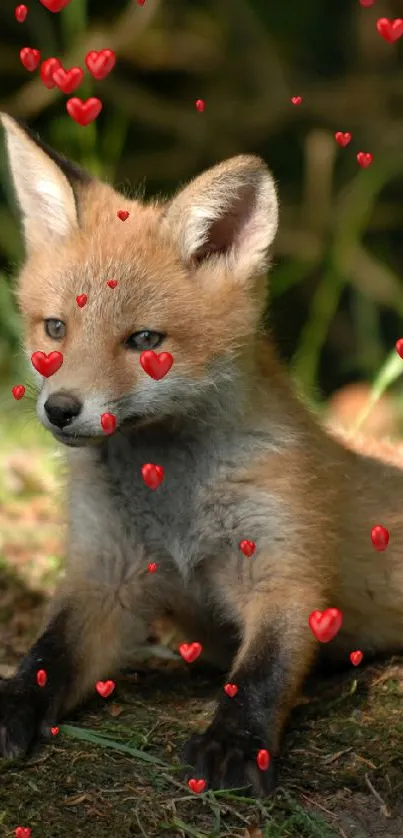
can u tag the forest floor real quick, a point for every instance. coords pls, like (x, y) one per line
(113, 769)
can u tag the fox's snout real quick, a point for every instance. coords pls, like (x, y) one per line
(62, 408)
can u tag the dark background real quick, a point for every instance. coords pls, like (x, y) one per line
(336, 286)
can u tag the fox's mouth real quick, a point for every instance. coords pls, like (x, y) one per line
(76, 440)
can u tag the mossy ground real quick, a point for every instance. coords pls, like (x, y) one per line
(342, 768)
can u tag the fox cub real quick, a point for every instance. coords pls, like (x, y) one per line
(243, 459)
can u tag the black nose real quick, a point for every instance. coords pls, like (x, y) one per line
(61, 408)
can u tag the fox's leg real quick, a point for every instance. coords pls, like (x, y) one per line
(87, 638)
(276, 653)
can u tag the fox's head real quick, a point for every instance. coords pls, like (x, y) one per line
(190, 276)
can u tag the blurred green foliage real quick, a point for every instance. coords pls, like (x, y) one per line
(336, 287)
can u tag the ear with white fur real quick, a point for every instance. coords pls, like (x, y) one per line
(230, 212)
(45, 185)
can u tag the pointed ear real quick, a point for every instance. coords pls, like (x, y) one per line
(46, 185)
(231, 212)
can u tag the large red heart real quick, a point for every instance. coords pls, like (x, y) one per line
(105, 688)
(196, 785)
(325, 624)
(100, 63)
(190, 651)
(152, 475)
(47, 365)
(55, 5)
(156, 365)
(30, 58)
(84, 112)
(22, 832)
(68, 80)
(391, 30)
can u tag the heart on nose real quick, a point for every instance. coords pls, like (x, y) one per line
(105, 688)
(155, 364)
(47, 365)
(190, 651)
(325, 624)
(196, 786)
(152, 475)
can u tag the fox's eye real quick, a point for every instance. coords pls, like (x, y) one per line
(144, 340)
(55, 329)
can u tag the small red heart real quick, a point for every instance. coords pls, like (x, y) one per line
(30, 58)
(68, 80)
(390, 30)
(82, 300)
(112, 283)
(399, 347)
(343, 138)
(123, 215)
(55, 5)
(41, 677)
(156, 365)
(200, 105)
(100, 63)
(380, 538)
(20, 13)
(84, 112)
(47, 365)
(365, 159)
(190, 651)
(231, 690)
(356, 657)
(54, 731)
(248, 547)
(325, 624)
(22, 832)
(366, 3)
(18, 391)
(152, 567)
(152, 475)
(296, 100)
(196, 785)
(48, 67)
(105, 688)
(141, 2)
(263, 759)
(108, 423)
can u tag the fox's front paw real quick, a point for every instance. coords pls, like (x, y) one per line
(225, 759)
(22, 718)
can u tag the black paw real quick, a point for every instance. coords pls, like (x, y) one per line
(22, 718)
(228, 760)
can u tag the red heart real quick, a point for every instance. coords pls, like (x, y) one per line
(22, 832)
(156, 365)
(48, 67)
(296, 100)
(55, 5)
(30, 58)
(364, 159)
(152, 475)
(108, 423)
(248, 547)
(263, 759)
(41, 677)
(152, 567)
(231, 690)
(68, 80)
(380, 538)
(123, 215)
(190, 651)
(356, 657)
(366, 3)
(343, 139)
(196, 785)
(325, 624)
(47, 365)
(18, 391)
(141, 2)
(84, 112)
(20, 13)
(399, 347)
(100, 63)
(105, 688)
(391, 30)
(82, 300)
(54, 731)
(200, 105)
